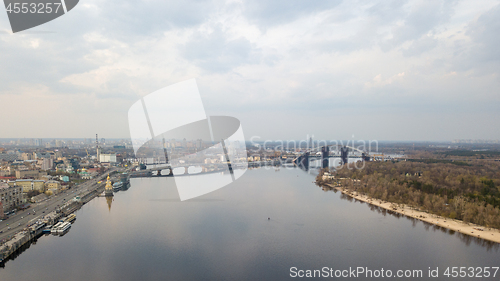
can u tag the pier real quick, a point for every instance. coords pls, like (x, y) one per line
(10, 245)
(20, 240)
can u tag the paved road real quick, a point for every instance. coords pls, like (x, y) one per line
(38, 210)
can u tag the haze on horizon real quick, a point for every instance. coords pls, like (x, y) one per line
(386, 70)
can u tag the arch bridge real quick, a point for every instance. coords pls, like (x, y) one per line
(324, 154)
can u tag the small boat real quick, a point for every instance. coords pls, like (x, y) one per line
(71, 218)
(47, 229)
(65, 226)
(60, 228)
(55, 228)
(117, 186)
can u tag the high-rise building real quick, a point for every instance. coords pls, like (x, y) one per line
(25, 156)
(38, 142)
(47, 164)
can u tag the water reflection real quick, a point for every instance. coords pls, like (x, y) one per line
(19, 251)
(226, 235)
(109, 200)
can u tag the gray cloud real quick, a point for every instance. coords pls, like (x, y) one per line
(214, 52)
(414, 20)
(270, 13)
(388, 11)
(130, 19)
(318, 59)
(423, 17)
(421, 45)
(484, 56)
(45, 64)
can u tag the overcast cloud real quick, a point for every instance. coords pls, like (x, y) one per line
(386, 70)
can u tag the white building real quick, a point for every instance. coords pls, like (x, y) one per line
(107, 158)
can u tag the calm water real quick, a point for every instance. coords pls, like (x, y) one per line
(148, 234)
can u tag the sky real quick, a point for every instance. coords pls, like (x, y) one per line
(287, 69)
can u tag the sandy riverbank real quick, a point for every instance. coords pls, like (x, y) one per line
(455, 225)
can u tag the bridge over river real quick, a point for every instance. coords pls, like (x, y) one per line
(323, 153)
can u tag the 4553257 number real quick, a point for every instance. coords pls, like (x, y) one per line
(33, 8)
(471, 271)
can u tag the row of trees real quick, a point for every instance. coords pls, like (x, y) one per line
(466, 192)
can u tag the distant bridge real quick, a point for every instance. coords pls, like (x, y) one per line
(316, 153)
(324, 154)
(166, 170)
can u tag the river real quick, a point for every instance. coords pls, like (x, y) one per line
(256, 228)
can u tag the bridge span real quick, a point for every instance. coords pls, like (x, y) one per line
(166, 170)
(323, 153)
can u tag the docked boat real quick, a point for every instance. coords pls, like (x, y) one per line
(71, 218)
(124, 178)
(65, 226)
(47, 229)
(55, 228)
(117, 186)
(60, 228)
(125, 186)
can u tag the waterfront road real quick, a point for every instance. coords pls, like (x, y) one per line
(36, 211)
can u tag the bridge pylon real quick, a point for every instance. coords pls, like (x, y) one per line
(344, 154)
(325, 150)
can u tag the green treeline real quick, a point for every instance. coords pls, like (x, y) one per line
(468, 153)
(465, 192)
(429, 161)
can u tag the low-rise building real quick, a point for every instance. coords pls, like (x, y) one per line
(107, 158)
(27, 174)
(53, 186)
(39, 198)
(39, 185)
(34, 174)
(328, 176)
(5, 173)
(28, 185)
(10, 196)
(86, 176)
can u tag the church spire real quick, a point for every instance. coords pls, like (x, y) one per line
(108, 189)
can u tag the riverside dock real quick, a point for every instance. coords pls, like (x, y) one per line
(18, 242)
